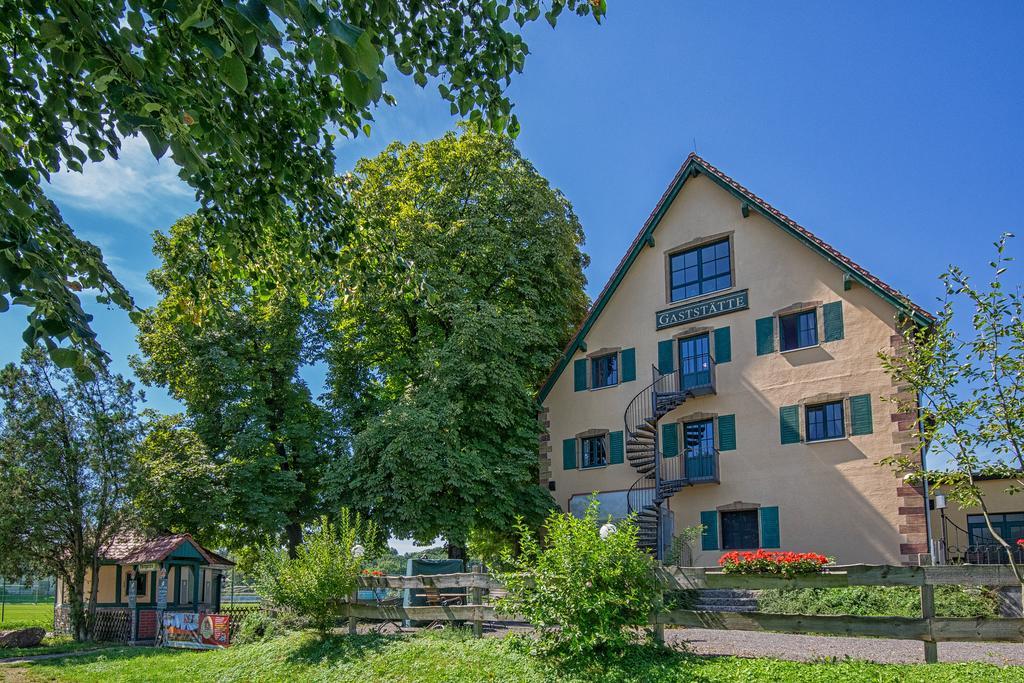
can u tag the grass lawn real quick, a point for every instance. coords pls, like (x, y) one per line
(27, 614)
(457, 657)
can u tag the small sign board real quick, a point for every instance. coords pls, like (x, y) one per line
(196, 630)
(699, 310)
(161, 590)
(149, 567)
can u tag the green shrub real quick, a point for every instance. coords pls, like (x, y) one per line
(584, 593)
(256, 626)
(889, 601)
(322, 575)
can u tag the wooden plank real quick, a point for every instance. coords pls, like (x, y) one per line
(436, 580)
(428, 613)
(978, 629)
(695, 578)
(903, 628)
(931, 648)
(971, 575)
(475, 598)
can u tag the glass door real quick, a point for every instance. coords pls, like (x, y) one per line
(694, 362)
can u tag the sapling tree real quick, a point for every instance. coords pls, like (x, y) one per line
(67, 467)
(969, 384)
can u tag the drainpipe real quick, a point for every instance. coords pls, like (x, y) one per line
(924, 469)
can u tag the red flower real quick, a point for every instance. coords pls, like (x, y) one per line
(772, 562)
(1020, 542)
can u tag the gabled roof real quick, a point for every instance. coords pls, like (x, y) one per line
(694, 165)
(132, 548)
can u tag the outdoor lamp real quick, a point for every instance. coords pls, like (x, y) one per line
(607, 530)
(358, 550)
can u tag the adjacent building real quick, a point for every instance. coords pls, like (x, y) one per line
(728, 375)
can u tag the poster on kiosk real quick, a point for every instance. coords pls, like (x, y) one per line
(196, 631)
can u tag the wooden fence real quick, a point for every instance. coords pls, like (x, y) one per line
(927, 628)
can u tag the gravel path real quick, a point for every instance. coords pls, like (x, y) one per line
(803, 648)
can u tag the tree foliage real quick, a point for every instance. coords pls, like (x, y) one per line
(183, 486)
(264, 438)
(462, 282)
(66, 460)
(247, 97)
(969, 380)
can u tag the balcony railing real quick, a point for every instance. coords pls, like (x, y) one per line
(693, 466)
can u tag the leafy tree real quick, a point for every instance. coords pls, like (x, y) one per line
(970, 383)
(461, 284)
(237, 374)
(323, 571)
(66, 462)
(247, 96)
(182, 485)
(583, 593)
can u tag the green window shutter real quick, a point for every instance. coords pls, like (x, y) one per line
(789, 424)
(568, 454)
(615, 443)
(765, 328)
(709, 537)
(628, 360)
(833, 316)
(579, 370)
(860, 415)
(769, 527)
(726, 432)
(670, 439)
(666, 356)
(723, 345)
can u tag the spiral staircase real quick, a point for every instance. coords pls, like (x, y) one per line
(662, 477)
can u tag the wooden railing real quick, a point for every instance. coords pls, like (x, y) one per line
(927, 628)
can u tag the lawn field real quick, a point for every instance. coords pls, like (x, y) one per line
(26, 614)
(455, 657)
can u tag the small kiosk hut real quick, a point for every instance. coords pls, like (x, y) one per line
(140, 578)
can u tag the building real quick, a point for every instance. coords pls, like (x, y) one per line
(140, 577)
(961, 534)
(727, 375)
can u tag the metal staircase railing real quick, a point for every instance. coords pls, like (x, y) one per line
(662, 476)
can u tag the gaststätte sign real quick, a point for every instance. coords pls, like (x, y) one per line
(699, 310)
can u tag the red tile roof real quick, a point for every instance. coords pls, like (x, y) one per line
(696, 163)
(132, 548)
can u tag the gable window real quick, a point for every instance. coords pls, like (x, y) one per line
(595, 454)
(798, 330)
(699, 271)
(825, 421)
(604, 371)
(740, 530)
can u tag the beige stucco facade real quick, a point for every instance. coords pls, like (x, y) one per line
(833, 497)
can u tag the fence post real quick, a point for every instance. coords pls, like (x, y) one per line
(931, 648)
(659, 628)
(351, 619)
(476, 598)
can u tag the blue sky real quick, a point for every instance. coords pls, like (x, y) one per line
(892, 130)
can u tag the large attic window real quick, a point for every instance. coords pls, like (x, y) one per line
(705, 269)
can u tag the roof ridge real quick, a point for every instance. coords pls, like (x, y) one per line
(898, 299)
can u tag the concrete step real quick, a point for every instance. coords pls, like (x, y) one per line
(729, 602)
(726, 593)
(724, 608)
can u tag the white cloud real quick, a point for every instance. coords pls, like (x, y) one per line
(135, 188)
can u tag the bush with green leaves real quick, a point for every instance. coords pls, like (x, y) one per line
(583, 593)
(323, 572)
